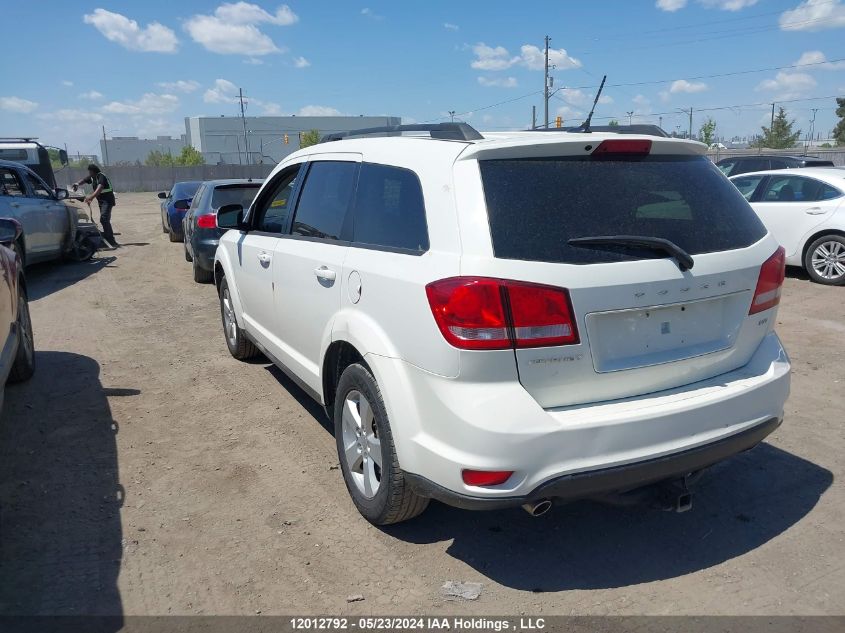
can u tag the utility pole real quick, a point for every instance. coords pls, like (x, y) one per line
(452, 115)
(690, 123)
(812, 131)
(660, 125)
(243, 120)
(630, 114)
(105, 149)
(772, 124)
(546, 87)
(533, 117)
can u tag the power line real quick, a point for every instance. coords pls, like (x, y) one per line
(487, 107)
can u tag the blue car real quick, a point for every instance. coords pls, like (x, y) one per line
(200, 223)
(174, 205)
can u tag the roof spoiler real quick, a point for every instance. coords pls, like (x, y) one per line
(442, 131)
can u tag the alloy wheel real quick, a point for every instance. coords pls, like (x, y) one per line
(229, 324)
(361, 444)
(828, 260)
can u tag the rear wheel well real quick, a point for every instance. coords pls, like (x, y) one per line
(813, 238)
(218, 275)
(339, 356)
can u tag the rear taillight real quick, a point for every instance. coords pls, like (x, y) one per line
(481, 313)
(208, 221)
(770, 282)
(485, 477)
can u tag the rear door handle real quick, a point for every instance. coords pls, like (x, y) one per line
(325, 273)
(814, 211)
(264, 257)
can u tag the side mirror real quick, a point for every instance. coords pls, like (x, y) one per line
(230, 216)
(63, 157)
(62, 194)
(182, 205)
(162, 195)
(10, 231)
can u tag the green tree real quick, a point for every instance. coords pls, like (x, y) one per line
(190, 156)
(780, 135)
(839, 130)
(309, 138)
(707, 132)
(613, 123)
(159, 159)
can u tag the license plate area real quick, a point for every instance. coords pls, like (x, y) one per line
(640, 337)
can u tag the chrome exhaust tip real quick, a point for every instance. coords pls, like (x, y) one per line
(538, 508)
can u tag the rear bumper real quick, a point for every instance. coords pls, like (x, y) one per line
(204, 250)
(602, 482)
(443, 425)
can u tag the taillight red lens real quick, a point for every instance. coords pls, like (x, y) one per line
(631, 147)
(485, 477)
(208, 221)
(481, 313)
(541, 315)
(770, 282)
(469, 312)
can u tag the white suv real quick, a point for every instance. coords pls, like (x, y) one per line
(511, 319)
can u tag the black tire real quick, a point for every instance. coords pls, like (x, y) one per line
(239, 345)
(201, 275)
(816, 275)
(83, 251)
(24, 365)
(393, 501)
(188, 257)
(163, 228)
(173, 237)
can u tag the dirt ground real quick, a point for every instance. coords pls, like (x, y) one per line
(145, 471)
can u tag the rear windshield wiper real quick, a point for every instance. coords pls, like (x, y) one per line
(685, 261)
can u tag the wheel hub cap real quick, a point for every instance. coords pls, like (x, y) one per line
(361, 444)
(829, 260)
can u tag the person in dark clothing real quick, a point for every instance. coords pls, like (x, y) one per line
(104, 194)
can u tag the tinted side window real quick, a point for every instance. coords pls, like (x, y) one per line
(39, 189)
(747, 185)
(389, 209)
(10, 184)
(325, 200)
(829, 193)
(275, 208)
(778, 164)
(794, 189)
(746, 166)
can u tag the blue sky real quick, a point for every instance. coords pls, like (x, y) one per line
(139, 68)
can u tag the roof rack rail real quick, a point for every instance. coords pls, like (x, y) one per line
(442, 131)
(26, 139)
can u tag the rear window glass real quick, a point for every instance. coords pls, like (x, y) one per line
(536, 205)
(389, 209)
(241, 195)
(184, 190)
(13, 154)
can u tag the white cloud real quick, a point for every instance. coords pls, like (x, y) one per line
(72, 116)
(498, 82)
(728, 5)
(605, 99)
(16, 104)
(301, 62)
(246, 13)
(153, 38)
(670, 5)
(641, 100)
(67, 83)
(451, 27)
(532, 57)
(788, 85)
(224, 91)
(316, 110)
(818, 61)
(369, 13)
(180, 85)
(253, 61)
(91, 95)
(149, 103)
(268, 108)
(232, 29)
(682, 85)
(814, 15)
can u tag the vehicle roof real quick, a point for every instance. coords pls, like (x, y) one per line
(788, 156)
(514, 144)
(828, 174)
(234, 181)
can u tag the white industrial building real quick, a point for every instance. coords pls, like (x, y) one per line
(261, 139)
(131, 150)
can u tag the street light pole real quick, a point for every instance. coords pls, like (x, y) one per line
(546, 87)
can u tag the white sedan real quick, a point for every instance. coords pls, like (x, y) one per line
(804, 209)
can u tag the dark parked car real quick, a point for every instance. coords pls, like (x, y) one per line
(17, 351)
(735, 165)
(200, 223)
(174, 205)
